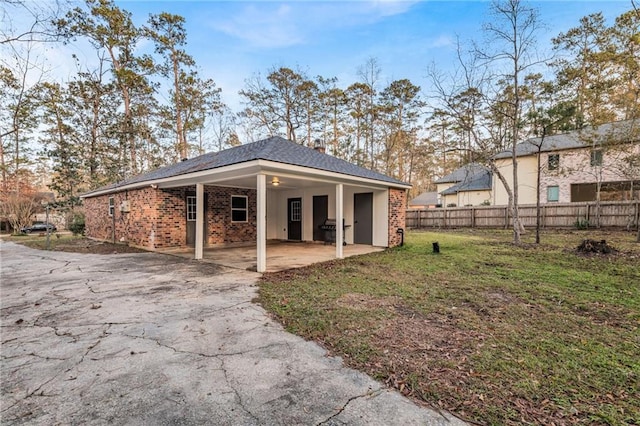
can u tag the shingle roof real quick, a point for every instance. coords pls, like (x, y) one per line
(618, 131)
(464, 173)
(275, 149)
(479, 182)
(425, 199)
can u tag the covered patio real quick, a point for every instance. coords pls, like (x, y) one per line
(270, 190)
(280, 255)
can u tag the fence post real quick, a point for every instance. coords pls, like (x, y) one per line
(559, 216)
(506, 217)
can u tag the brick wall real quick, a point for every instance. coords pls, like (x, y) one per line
(97, 222)
(575, 167)
(220, 229)
(397, 208)
(157, 217)
(136, 227)
(172, 218)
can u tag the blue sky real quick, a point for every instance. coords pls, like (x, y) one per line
(233, 40)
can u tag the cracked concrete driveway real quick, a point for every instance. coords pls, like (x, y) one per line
(159, 340)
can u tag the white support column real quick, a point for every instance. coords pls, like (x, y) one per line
(261, 219)
(199, 246)
(339, 220)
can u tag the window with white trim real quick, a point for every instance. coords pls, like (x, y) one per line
(553, 162)
(191, 208)
(553, 193)
(112, 206)
(239, 209)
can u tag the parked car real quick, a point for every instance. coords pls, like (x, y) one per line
(39, 227)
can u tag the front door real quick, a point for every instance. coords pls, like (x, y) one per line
(320, 215)
(190, 202)
(363, 218)
(294, 219)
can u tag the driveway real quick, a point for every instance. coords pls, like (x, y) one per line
(160, 340)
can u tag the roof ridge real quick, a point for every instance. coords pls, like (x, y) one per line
(274, 148)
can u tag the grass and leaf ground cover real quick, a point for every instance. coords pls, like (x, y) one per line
(69, 243)
(494, 333)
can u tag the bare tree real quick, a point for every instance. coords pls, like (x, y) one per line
(221, 123)
(277, 104)
(19, 73)
(370, 72)
(512, 35)
(18, 209)
(29, 21)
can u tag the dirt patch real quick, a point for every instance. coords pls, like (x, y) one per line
(425, 358)
(79, 245)
(499, 297)
(359, 301)
(434, 336)
(595, 247)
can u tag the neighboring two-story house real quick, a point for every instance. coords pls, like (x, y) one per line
(575, 166)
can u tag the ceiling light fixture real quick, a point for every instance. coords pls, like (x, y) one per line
(275, 181)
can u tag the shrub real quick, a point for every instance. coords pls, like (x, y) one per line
(77, 224)
(581, 223)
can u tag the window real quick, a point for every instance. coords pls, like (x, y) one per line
(112, 206)
(191, 208)
(553, 162)
(596, 157)
(239, 208)
(296, 211)
(553, 193)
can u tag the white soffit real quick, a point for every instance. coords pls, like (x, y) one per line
(244, 176)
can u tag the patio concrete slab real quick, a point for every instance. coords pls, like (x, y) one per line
(280, 255)
(143, 339)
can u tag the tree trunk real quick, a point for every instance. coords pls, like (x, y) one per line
(538, 196)
(3, 166)
(183, 150)
(510, 197)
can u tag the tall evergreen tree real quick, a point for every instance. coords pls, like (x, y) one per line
(111, 29)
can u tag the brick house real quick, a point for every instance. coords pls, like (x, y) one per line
(575, 166)
(270, 189)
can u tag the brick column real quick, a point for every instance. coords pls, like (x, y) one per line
(397, 211)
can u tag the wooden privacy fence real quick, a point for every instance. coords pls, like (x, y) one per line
(612, 214)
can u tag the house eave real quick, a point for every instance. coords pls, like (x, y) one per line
(249, 168)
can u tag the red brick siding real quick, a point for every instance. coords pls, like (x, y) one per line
(136, 227)
(157, 218)
(172, 218)
(397, 206)
(220, 229)
(98, 223)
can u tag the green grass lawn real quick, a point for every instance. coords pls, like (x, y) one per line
(494, 333)
(38, 240)
(70, 243)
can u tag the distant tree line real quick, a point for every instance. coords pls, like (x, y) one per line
(129, 113)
